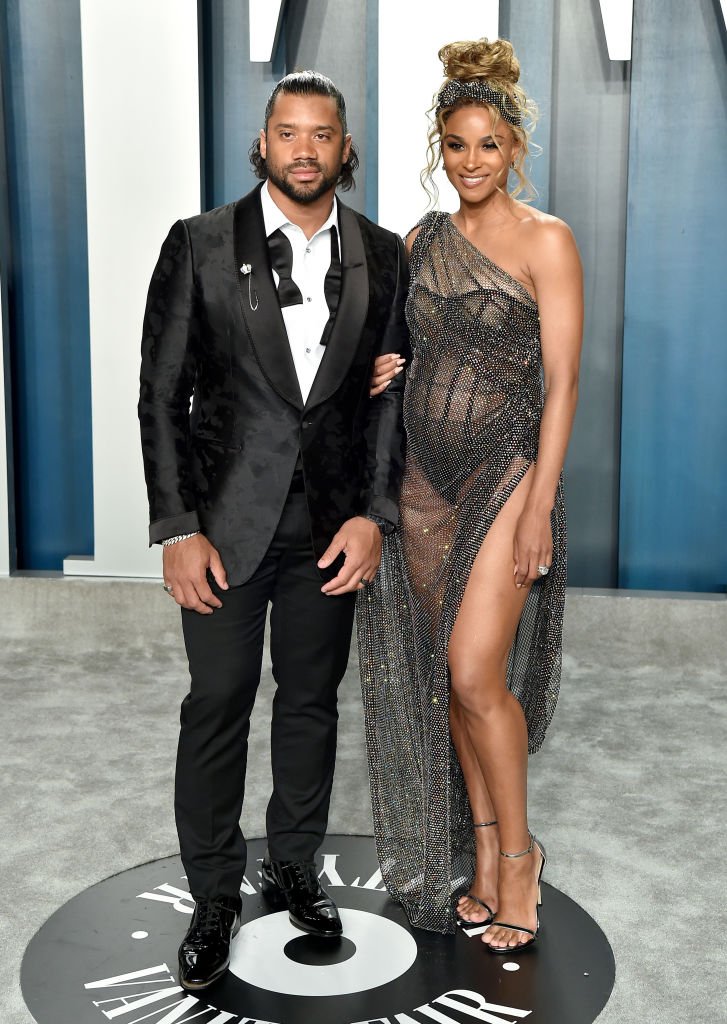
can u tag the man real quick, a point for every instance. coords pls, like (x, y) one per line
(275, 487)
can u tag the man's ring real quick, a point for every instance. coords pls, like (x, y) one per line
(543, 570)
(364, 582)
(167, 588)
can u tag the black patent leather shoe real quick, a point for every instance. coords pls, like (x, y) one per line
(294, 884)
(204, 955)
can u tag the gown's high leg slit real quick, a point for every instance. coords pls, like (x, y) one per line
(473, 402)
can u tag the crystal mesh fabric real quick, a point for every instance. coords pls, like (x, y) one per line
(473, 401)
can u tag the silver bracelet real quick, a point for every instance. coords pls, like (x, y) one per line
(175, 540)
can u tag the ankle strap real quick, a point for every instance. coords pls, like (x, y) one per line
(523, 853)
(483, 824)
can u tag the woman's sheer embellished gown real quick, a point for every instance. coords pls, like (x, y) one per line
(473, 403)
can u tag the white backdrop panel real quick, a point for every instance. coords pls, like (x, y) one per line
(141, 121)
(618, 21)
(264, 27)
(411, 32)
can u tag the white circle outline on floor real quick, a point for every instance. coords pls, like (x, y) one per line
(384, 951)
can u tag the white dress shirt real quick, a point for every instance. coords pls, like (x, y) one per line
(311, 260)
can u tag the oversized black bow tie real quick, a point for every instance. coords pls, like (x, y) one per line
(281, 258)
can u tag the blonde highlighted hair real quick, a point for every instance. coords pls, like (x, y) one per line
(486, 74)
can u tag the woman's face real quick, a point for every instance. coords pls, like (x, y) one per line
(472, 160)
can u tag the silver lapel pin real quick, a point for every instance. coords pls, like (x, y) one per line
(246, 270)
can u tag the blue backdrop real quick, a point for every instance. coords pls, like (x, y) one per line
(673, 515)
(48, 281)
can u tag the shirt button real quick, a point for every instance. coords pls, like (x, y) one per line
(309, 299)
(308, 351)
(308, 250)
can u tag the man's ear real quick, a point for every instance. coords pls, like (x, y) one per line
(263, 144)
(346, 148)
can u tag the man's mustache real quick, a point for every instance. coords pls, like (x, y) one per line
(309, 166)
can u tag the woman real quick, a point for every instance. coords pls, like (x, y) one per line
(460, 633)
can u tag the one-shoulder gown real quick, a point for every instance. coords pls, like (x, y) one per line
(473, 402)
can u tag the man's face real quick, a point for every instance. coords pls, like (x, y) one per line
(304, 147)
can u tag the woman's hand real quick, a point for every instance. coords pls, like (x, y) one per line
(385, 369)
(532, 545)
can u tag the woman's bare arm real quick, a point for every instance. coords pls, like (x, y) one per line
(555, 269)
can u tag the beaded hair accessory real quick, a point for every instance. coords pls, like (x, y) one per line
(480, 90)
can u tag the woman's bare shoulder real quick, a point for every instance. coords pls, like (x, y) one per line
(543, 228)
(547, 239)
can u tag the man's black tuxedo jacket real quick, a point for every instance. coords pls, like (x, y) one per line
(216, 336)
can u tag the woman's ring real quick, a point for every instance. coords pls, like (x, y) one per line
(364, 582)
(543, 570)
(167, 588)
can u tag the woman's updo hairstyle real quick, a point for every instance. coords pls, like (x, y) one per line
(486, 74)
(478, 58)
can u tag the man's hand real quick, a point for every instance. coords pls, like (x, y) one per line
(185, 566)
(360, 541)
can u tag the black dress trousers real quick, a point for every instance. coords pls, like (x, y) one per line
(309, 644)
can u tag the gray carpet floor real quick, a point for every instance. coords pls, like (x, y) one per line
(628, 792)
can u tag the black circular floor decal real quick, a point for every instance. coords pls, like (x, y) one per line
(110, 954)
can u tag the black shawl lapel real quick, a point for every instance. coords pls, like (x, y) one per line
(352, 309)
(265, 325)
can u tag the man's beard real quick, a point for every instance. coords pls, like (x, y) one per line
(303, 193)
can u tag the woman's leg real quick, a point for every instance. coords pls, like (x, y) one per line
(478, 652)
(487, 842)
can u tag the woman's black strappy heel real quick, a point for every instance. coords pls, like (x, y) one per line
(517, 927)
(475, 899)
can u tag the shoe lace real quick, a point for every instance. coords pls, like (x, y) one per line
(307, 877)
(209, 915)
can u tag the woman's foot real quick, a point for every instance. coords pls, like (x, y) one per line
(479, 905)
(516, 925)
